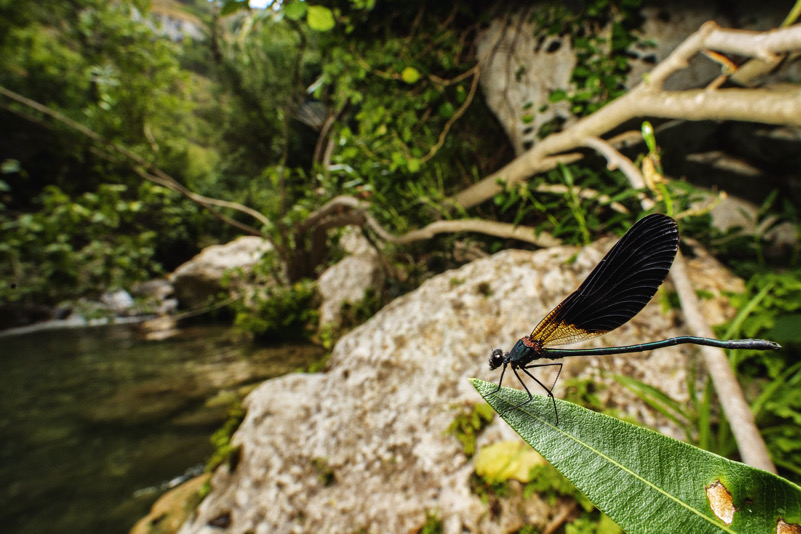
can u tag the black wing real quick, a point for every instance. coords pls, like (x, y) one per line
(619, 286)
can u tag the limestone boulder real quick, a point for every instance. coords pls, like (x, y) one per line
(201, 277)
(364, 446)
(349, 280)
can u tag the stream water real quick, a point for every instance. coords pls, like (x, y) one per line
(95, 422)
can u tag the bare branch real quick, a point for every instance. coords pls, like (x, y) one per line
(337, 205)
(453, 118)
(766, 106)
(616, 160)
(648, 99)
(497, 229)
(585, 193)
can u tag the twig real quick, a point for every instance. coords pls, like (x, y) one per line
(503, 230)
(616, 160)
(585, 193)
(456, 115)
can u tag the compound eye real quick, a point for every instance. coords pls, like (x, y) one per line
(496, 359)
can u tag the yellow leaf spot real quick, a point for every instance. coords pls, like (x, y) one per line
(787, 528)
(721, 502)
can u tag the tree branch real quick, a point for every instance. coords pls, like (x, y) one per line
(648, 99)
(340, 204)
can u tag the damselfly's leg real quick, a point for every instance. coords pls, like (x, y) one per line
(500, 381)
(543, 386)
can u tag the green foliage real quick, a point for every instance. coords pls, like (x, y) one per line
(601, 35)
(660, 484)
(433, 524)
(697, 418)
(769, 298)
(224, 451)
(550, 203)
(279, 312)
(583, 392)
(590, 524)
(768, 308)
(75, 220)
(320, 18)
(72, 246)
(326, 474)
(551, 484)
(498, 464)
(411, 108)
(468, 425)
(354, 314)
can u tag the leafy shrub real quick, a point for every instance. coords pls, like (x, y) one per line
(279, 312)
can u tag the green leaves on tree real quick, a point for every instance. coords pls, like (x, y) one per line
(320, 18)
(295, 10)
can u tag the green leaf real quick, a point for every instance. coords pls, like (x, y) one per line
(648, 135)
(557, 95)
(410, 75)
(9, 166)
(506, 460)
(446, 110)
(413, 165)
(644, 481)
(296, 10)
(320, 18)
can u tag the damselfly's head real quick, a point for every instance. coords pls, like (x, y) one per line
(497, 359)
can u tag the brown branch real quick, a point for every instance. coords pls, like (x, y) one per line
(585, 193)
(766, 106)
(338, 205)
(456, 115)
(496, 229)
(616, 160)
(648, 99)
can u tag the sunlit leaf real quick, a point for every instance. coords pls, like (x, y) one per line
(296, 10)
(320, 18)
(232, 6)
(410, 75)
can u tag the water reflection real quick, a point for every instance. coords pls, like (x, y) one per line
(92, 417)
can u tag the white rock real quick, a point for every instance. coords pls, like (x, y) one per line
(200, 277)
(377, 420)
